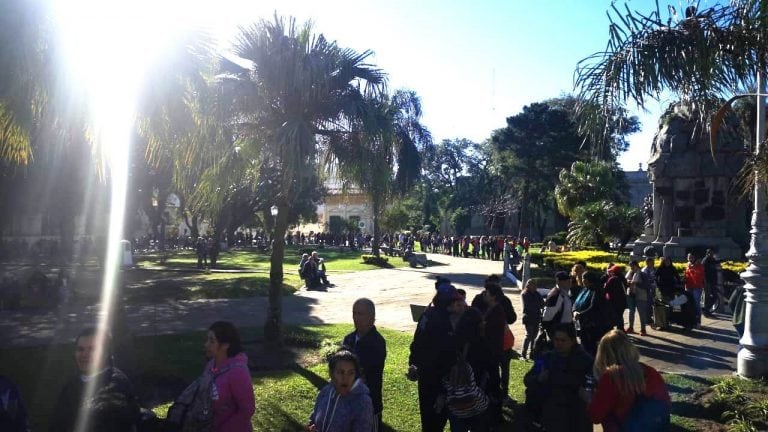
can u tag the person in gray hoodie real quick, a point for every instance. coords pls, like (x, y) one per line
(344, 404)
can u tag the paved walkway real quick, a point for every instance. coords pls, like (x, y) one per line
(709, 351)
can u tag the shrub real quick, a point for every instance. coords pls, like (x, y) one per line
(329, 347)
(379, 261)
(558, 237)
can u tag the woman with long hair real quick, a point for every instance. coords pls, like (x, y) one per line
(233, 401)
(624, 387)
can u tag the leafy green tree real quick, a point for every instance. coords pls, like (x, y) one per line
(528, 154)
(289, 88)
(601, 221)
(395, 218)
(584, 183)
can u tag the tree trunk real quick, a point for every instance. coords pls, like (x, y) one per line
(67, 236)
(194, 229)
(521, 213)
(231, 228)
(375, 206)
(273, 327)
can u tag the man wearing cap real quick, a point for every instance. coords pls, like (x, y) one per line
(557, 307)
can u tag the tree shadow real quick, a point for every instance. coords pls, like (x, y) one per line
(313, 378)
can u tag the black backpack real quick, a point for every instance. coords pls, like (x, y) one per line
(192, 411)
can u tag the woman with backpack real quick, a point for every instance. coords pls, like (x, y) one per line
(233, 402)
(629, 395)
(344, 404)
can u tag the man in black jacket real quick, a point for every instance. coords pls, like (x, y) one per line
(371, 349)
(111, 405)
(433, 353)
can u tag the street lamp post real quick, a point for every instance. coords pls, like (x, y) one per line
(752, 359)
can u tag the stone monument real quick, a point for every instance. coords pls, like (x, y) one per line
(693, 206)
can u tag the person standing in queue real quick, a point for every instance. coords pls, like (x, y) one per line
(371, 349)
(433, 353)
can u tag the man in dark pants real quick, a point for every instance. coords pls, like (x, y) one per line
(433, 353)
(371, 349)
(710, 281)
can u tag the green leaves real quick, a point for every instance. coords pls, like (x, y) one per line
(601, 221)
(584, 183)
(711, 53)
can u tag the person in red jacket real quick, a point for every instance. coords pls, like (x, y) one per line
(621, 378)
(694, 283)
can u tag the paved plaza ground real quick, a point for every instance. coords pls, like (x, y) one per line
(708, 351)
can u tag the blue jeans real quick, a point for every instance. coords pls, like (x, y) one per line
(696, 292)
(642, 310)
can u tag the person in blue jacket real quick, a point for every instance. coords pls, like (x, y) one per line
(344, 404)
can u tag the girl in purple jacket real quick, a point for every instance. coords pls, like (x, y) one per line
(233, 400)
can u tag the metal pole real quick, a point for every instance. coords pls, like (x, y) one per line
(753, 356)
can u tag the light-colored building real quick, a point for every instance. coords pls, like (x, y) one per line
(351, 205)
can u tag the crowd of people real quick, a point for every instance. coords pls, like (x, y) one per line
(460, 358)
(584, 366)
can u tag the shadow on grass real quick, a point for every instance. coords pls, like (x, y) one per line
(313, 378)
(275, 418)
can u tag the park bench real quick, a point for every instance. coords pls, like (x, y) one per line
(390, 251)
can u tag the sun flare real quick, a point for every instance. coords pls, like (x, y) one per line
(107, 47)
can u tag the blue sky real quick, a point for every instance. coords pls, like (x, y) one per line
(473, 63)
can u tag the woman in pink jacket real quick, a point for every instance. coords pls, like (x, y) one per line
(232, 391)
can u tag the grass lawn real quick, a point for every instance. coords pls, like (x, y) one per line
(252, 259)
(144, 286)
(284, 398)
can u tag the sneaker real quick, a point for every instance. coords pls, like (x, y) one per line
(643, 333)
(629, 331)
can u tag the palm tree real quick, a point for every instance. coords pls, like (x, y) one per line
(704, 56)
(585, 182)
(382, 154)
(287, 88)
(182, 131)
(600, 221)
(700, 57)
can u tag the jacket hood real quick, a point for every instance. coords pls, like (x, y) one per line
(239, 359)
(359, 388)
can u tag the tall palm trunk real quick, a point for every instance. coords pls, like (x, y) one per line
(376, 206)
(273, 325)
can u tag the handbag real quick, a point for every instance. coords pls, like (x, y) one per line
(509, 339)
